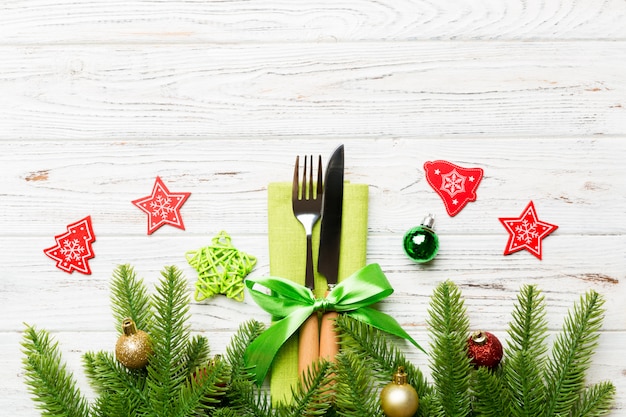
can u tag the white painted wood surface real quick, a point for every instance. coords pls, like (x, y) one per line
(97, 98)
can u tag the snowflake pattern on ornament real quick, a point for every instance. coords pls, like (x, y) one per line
(162, 207)
(73, 248)
(455, 185)
(526, 231)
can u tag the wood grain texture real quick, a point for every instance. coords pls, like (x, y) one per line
(118, 21)
(332, 90)
(99, 97)
(50, 179)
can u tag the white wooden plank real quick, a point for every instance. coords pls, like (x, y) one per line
(335, 91)
(37, 293)
(99, 21)
(575, 183)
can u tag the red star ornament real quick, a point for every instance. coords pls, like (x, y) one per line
(526, 231)
(455, 185)
(73, 248)
(162, 207)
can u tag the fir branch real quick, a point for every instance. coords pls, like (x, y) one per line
(311, 396)
(225, 412)
(373, 345)
(430, 406)
(246, 333)
(356, 393)
(196, 354)
(571, 354)
(525, 351)
(170, 334)
(249, 400)
(108, 376)
(111, 405)
(528, 328)
(204, 389)
(595, 401)
(53, 387)
(450, 364)
(129, 298)
(490, 393)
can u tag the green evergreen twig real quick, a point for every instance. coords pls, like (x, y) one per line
(374, 346)
(311, 396)
(449, 362)
(54, 389)
(571, 355)
(129, 298)
(525, 353)
(355, 386)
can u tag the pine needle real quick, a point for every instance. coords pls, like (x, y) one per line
(595, 401)
(374, 346)
(449, 362)
(525, 353)
(169, 332)
(490, 393)
(571, 354)
(356, 391)
(129, 298)
(52, 386)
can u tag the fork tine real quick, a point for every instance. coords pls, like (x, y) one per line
(295, 187)
(310, 190)
(305, 188)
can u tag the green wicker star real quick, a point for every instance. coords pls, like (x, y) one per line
(221, 269)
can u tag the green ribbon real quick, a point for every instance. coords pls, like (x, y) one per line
(291, 304)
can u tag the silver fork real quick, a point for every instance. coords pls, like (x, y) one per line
(306, 199)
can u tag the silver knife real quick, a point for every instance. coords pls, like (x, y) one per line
(330, 245)
(332, 205)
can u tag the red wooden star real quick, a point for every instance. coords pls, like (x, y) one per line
(162, 207)
(526, 231)
(73, 248)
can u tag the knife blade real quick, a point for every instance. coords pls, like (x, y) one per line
(330, 246)
(332, 206)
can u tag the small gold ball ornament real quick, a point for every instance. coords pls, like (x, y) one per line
(133, 348)
(399, 398)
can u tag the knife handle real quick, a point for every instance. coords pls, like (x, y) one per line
(329, 339)
(308, 344)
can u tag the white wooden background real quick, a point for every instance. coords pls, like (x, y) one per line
(98, 97)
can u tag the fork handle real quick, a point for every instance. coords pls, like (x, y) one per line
(329, 339)
(308, 344)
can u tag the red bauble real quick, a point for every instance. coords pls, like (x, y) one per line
(484, 349)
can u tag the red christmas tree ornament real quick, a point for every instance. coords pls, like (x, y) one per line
(162, 207)
(526, 231)
(73, 248)
(484, 349)
(455, 185)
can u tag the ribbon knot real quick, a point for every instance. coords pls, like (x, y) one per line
(291, 304)
(322, 304)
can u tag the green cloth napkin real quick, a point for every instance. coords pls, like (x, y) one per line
(287, 250)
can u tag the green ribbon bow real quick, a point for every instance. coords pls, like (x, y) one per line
(291, 304)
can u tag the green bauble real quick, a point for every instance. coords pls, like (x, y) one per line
(420, 243)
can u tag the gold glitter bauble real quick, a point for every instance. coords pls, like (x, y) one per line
(399, 398)
(133, 348)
